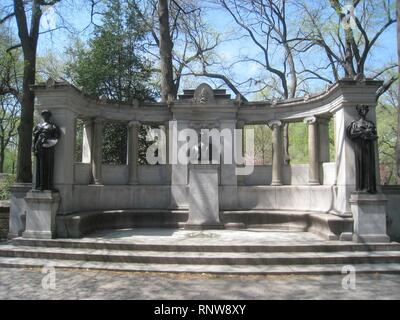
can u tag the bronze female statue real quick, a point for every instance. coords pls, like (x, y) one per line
(45, 137)
(363, 133)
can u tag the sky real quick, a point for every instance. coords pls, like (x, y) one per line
(75, 14)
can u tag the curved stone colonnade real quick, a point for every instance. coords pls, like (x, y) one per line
(319, 191)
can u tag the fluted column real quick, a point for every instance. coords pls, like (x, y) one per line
(313, 151)
(87, 141)
(277, 156)
(133, 151)
(167, 159)
(241, 125)
(97, 151)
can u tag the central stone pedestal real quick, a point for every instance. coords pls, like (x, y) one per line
(41, 213)
(369, 213)
(204, 198)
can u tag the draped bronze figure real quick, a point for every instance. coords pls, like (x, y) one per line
(363, 133)
(45, 137)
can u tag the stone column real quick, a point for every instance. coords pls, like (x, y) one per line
(345, 161)
(241, 125)
(323, 137)
(179, 172)
(277, 156)
(133, 151)
(97, 154)
(87, 141)
(313, 151)
(167, 177)
(228, 170)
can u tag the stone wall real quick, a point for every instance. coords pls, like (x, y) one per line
(4, 218)
(393, 211)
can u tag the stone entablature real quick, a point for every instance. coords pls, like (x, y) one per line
(345, 93)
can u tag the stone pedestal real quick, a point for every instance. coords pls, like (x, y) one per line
(203, 198)
(42, 207)
(369, 213)
(18, 209)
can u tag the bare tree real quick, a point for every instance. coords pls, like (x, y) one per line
(9, 118)
(266, 24)
(28, 35)
(349, 43)
(9, 94)
(398, 93)
(194, 41)
(166, 46)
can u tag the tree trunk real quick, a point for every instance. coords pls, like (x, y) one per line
(2, 156)
(166, 45)
(29, 40)
(24, 160)
(398, 95)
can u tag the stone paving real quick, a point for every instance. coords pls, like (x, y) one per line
(207, 237)
(74, 284)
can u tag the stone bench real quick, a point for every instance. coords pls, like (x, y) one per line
(78, 225)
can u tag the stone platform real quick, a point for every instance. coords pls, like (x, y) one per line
(257, 251)
(79, 225)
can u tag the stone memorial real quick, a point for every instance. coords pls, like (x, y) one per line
(368, 207)
(42, 202)
(317, 196)
(363, 134)
(45, 137)
(204, 199)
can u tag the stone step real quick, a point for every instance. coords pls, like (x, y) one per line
(201, 258)
(321, 269)
(322, 246)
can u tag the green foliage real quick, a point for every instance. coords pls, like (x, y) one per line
(298, 139)
(298, 143)
(78, 140)
(10, 159)
(332, 147)
(387, 131)
(115, 143)
(262, 144)
(11, 66)
(5, 184)
(143, 143)
(114, 65)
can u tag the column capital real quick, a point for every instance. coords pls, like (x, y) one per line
(240, 124)
(274, 123)
(324, 120)
(87, 121)
(99, 120)
(133, 123)
(310, 120)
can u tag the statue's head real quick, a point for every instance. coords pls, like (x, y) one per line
(362, 110)
(46, 114)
